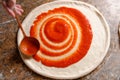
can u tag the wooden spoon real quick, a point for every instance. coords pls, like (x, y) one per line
(29, 45)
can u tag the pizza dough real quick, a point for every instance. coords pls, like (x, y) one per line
(96, 53)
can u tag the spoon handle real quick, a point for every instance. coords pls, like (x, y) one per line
(19, 23)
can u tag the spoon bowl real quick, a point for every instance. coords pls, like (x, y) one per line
(29, 46)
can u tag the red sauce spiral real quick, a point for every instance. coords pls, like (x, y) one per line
(64, 34)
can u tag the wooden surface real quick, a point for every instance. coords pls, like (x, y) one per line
(13, 68)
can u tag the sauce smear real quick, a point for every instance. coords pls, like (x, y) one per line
(65, 36)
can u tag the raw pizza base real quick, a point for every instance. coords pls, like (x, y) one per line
(96, 53)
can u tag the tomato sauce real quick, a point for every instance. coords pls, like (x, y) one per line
(56, 29)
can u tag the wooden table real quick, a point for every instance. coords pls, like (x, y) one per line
(13, 68)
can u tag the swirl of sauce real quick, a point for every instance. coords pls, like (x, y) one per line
(65, 36)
